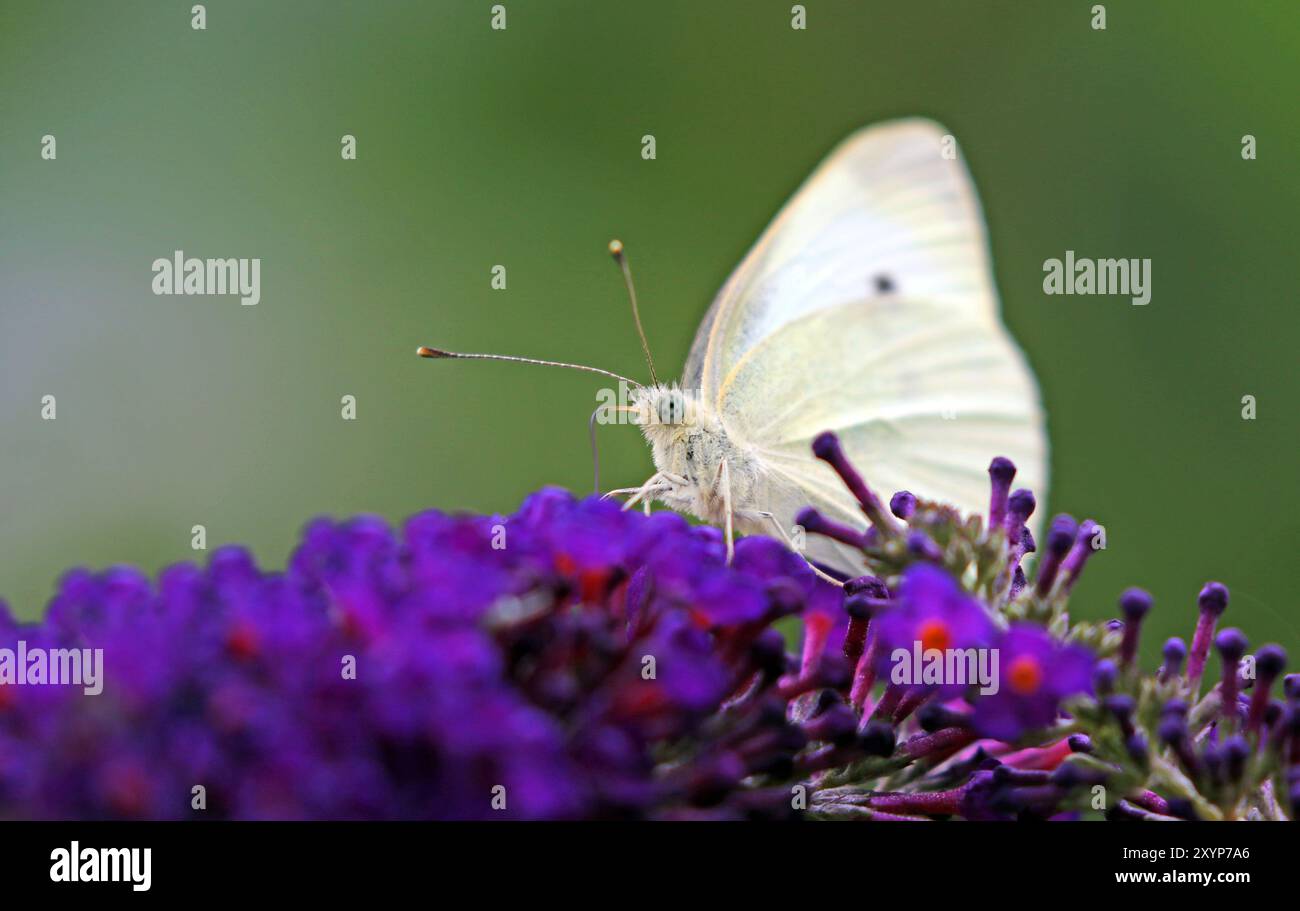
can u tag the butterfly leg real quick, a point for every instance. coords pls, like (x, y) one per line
(646, 490)
(724, 481)
(625, 490)
(653, 481)
(658, 482)
(785, 536)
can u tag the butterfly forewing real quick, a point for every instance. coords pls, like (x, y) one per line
(868, 308)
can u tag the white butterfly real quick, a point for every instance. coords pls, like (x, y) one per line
(867, 308)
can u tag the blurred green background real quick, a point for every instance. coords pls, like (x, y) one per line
(522, 147)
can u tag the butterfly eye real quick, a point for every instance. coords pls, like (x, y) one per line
(884, 284)
(671, 409)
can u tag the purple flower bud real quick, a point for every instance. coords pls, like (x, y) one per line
(861, 607)
(1134, 604)
(1136, 745)
(935, 716)
(1018, 583)
(903, 504)
(1270, 661)
(1070, 775)
(1121, 705)
(1020, 506)
(870, 586)
(1231, 644)
(1171, 730)
(1291, 686)
(1235, 753)
(1291, 722)
(767, 654)
(877, 738)
(1213, 598)
(838, 725)
(1175, 653)
(1001, 472)
(1005, 774)
(1072, 565)
(826, 446)
(1060, 538)
(1027, 545)
(1104, 676)
(1080, 743)
(1061, 533)
(919, 544)
(1176, 707)
(1213, 601)
(813, 522)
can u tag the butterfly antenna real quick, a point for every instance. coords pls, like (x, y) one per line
(425, 351)
(616, 251)
(595, 456)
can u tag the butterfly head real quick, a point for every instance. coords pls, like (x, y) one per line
(686, 439)
(665, 412)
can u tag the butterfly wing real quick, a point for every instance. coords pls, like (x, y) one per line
(868, 307)
(921, 400)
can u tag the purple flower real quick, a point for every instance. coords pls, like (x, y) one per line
(575, 660)
(531, 666)
(932, 613)
(1036, 674)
